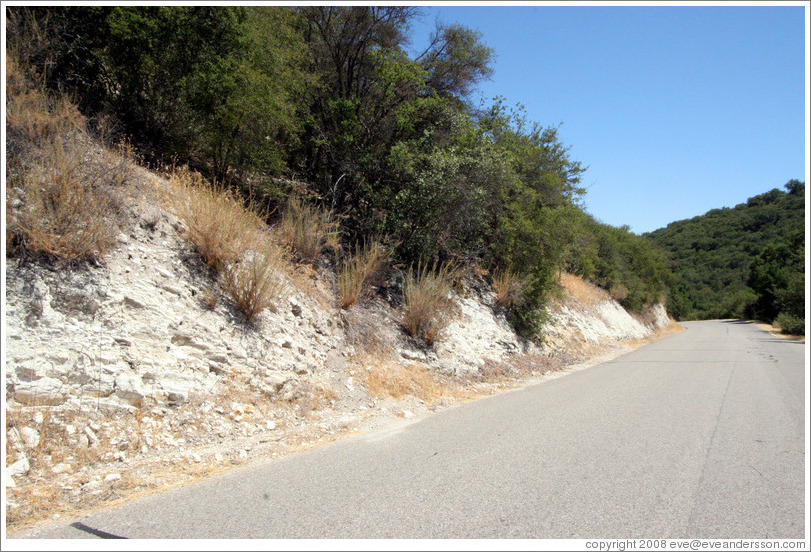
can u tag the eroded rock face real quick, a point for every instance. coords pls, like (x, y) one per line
(137, 328)
(141, 361)
(477, 334)
(600, 322)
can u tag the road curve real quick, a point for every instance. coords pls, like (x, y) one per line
(699, 435)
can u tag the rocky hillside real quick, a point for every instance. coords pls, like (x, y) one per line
(137, 372)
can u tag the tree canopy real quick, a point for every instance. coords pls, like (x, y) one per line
(328, 102)
(746, 261)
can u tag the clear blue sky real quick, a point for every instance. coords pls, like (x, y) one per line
(675, 110)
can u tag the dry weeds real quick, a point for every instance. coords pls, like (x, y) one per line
(671, 329)
(31, 114)
(256, 281)
(778, 332)
(518, 368)
(218, 224)
(308, 230)
(427, 303)
(233, 240)
(509, 287)
(581, 290)
(359, 271)
(61, 197)
(386, 378)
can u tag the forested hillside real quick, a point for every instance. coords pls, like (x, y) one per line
(747, 261)
(324, 108)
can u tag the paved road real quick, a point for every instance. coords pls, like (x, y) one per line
(700, 435)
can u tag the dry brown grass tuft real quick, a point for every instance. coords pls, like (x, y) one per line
(358, 271)
(218, 224)
(61, 197)
(509, 287)
(581, 290)
(233, 240)
(61, 211)
(256, 280)
(31, 114)
(386, 378)
(312, 396)
(308, 230)
(518, 368)
(427, 303)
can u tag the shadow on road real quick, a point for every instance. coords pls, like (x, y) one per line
(783, 340)
(95, 532)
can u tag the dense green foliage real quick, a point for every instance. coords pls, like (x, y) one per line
(212, 86)
(746, 261)
(630, 267)
(328, 101)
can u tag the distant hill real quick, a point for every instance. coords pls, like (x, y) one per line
(746, 261)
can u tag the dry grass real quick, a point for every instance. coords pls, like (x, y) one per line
(256, 280)
(210, 298)
(308, 230)
(60, 197)
(581, 290)
(427, 303)
(509, 287)
(671, 329)
(218, 224)
(778, 332)
(312, 396)
(63, 213)
(32, 114)
(518, 368)
(55, 444)
(359, 271)
(385, 378)
(618, 292)
(233, 240)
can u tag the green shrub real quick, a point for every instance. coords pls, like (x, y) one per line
(790, 324)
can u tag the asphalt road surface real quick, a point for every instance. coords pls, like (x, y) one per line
(699, 435)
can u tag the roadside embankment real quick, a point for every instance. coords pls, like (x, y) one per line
(134, 374)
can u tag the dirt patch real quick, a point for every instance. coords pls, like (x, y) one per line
(777, 332)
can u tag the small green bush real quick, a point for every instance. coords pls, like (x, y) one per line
(790, 324)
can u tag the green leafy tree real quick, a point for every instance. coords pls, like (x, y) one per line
(712, 255)
(213, 86)
(456, 60)
(778, 278)
(244, 105)
(372, 96)
(154, 57)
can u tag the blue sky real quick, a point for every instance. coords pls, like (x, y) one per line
(675, 110)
